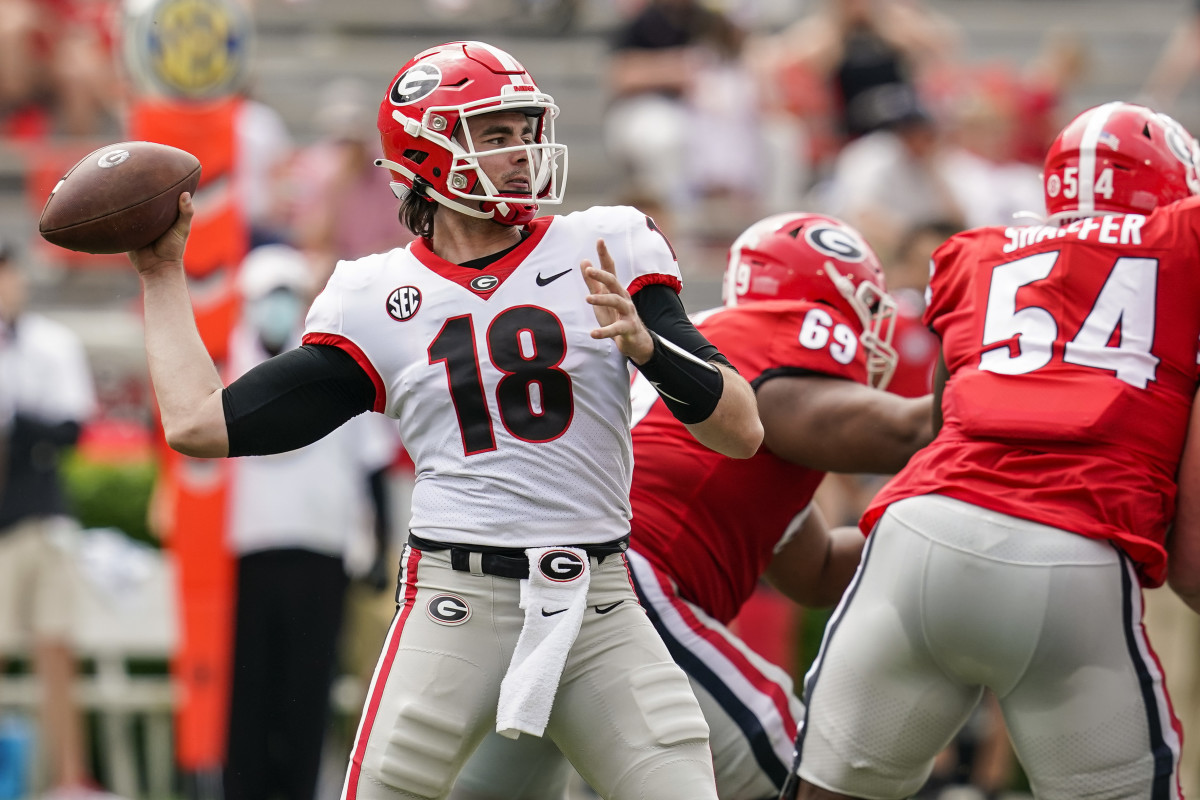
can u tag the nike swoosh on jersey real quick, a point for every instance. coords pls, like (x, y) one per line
(546, 613)
(606, 609)
(544, 281)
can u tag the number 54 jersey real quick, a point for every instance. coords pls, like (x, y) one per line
(1072, 354)
(516, 418)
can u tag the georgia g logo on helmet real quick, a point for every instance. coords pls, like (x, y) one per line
(415, 84)
(1179, 141)
(835, 243)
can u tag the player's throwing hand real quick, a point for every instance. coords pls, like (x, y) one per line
(614, 309)
(168, 248)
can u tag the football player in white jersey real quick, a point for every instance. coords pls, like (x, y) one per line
(481, 339)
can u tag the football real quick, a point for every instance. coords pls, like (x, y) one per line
(119, 198)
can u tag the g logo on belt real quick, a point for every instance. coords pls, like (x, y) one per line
(561, 565)
(448, 609)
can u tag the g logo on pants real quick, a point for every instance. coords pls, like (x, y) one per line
(448, 609)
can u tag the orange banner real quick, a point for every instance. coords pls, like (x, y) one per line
(197, 489)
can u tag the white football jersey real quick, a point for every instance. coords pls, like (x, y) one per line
(517, 420)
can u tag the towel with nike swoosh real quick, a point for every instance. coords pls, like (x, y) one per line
(554, 598)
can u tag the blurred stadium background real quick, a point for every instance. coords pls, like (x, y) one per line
(305, 45)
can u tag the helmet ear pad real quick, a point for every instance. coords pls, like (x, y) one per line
(425, 129)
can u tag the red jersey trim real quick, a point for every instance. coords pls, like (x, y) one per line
(355, 352)
(642, 281)
(500, 269)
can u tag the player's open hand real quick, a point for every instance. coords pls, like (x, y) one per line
(166, 250)
(614, 309)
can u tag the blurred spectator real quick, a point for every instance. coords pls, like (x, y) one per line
(861, 55)
(909, 270)
(991, 183)
(7, 382)
(681, 98)
(342, 206)
(57, 69)
(916, 170)
(292, 519)
(265, 149)
(1040, 91)
(52, 397)
(895, 178)
(1002, 119)
(1176, 64)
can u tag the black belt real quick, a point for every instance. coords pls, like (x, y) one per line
(507, 562)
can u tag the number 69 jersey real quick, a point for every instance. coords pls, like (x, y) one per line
(516, 419)
(1072, 354)
(710, 522)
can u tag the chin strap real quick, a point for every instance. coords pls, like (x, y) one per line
(502, 210)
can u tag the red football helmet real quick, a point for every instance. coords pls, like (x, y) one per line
(821, 259)
(1119, 158)
(424, 124)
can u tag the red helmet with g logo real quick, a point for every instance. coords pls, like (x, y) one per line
(820, 259)
(425, 125)
(1119, 158)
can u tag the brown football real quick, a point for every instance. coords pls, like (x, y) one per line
(119, 198)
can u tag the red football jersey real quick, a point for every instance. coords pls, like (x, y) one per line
(1072, 355)
(710, 522)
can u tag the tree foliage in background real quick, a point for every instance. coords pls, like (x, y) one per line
(111, 495)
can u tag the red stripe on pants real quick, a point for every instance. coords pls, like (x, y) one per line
(385, 669)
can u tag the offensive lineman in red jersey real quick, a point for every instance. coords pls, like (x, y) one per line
(808, 322)
(1008, 554)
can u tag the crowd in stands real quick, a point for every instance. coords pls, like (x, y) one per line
(866, 109)
(57, 68)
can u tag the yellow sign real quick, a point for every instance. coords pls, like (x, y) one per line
(189, 48)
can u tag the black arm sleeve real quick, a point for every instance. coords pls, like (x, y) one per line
(294, 399)
(681, 368)
(662, 312)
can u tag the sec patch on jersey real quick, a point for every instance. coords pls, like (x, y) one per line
(119, 198)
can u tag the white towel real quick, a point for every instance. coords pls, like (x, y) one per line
(554, 598)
